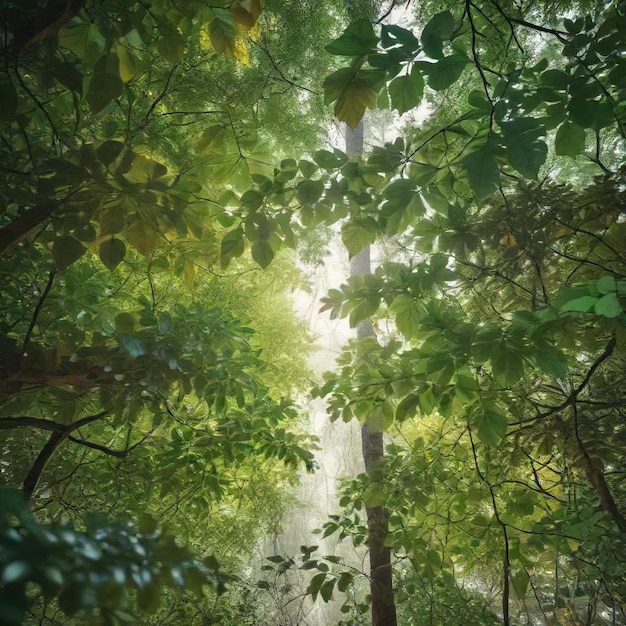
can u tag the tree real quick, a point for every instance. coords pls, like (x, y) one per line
(494, 266)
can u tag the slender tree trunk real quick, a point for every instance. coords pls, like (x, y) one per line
(381, 576)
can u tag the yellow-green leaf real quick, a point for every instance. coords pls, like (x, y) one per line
(355, 97)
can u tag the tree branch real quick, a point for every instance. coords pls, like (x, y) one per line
(56, 439)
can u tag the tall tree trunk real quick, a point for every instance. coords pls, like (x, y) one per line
(381, 576)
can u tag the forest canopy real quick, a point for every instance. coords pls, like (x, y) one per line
(167, 168)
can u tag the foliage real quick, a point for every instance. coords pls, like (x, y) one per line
(144, 169)
(90, 568)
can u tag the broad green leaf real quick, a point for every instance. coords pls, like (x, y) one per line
(507, 365)
(330, 160)
(232, 246)
(355, 97)
(427, 401)
(309, 191)
(112, 220)
(520, 580)
(407, 407)
(211, 136)
(84, 40)
(344, 581)
(172, 47)
(124, 322)
(66, 250)
(477, 100)
(491, 427)
(406, 92)
(8, 98)
(570, 139)
(606, 284)
(108, 151)
(246, 12)
(439, 29)
(487, 338)
(358, 233)
(595, 114)
(580, 305)
(394, 36)
(262, 252)
(551, 361)
(608, 305)
(128, 67)
(482, 171)
(112, 252)
(409, 312)
(374, 495)
(524, 150)
(222, 32)
(316, 582)
(557, 79)
(445, 72)
(106, 84)
(142, 237)
(326, 590)
(357, 40)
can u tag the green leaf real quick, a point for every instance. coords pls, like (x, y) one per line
(487, 338)
(355, 97)
(595, 114)
(491, 427)
(406, 92)
(309, 191)
(427, 401)
(393, 36)
(128, 67)
(222, 32)
(124, 322)
(172, 47)
(358, 233)
(570, 139)
(142, 237)
(344, 581)
(557, 79)
(108, 151)
(580, 305)
(482, 171)
(211, 136)
(112, 252)
(520, 580)
(66, 250)
(608, 306)
(106, 84)
(507, 365)
(551, 361)
(8, 98)
(439, 29)
(262, 252)
(232, 246)
(444, 72)
(330, 160)
(374, 495)
(409, 313)
(524, 150)
(84, 40)
(606, 284)
(357, 40)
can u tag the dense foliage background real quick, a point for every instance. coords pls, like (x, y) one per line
(156, 192)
